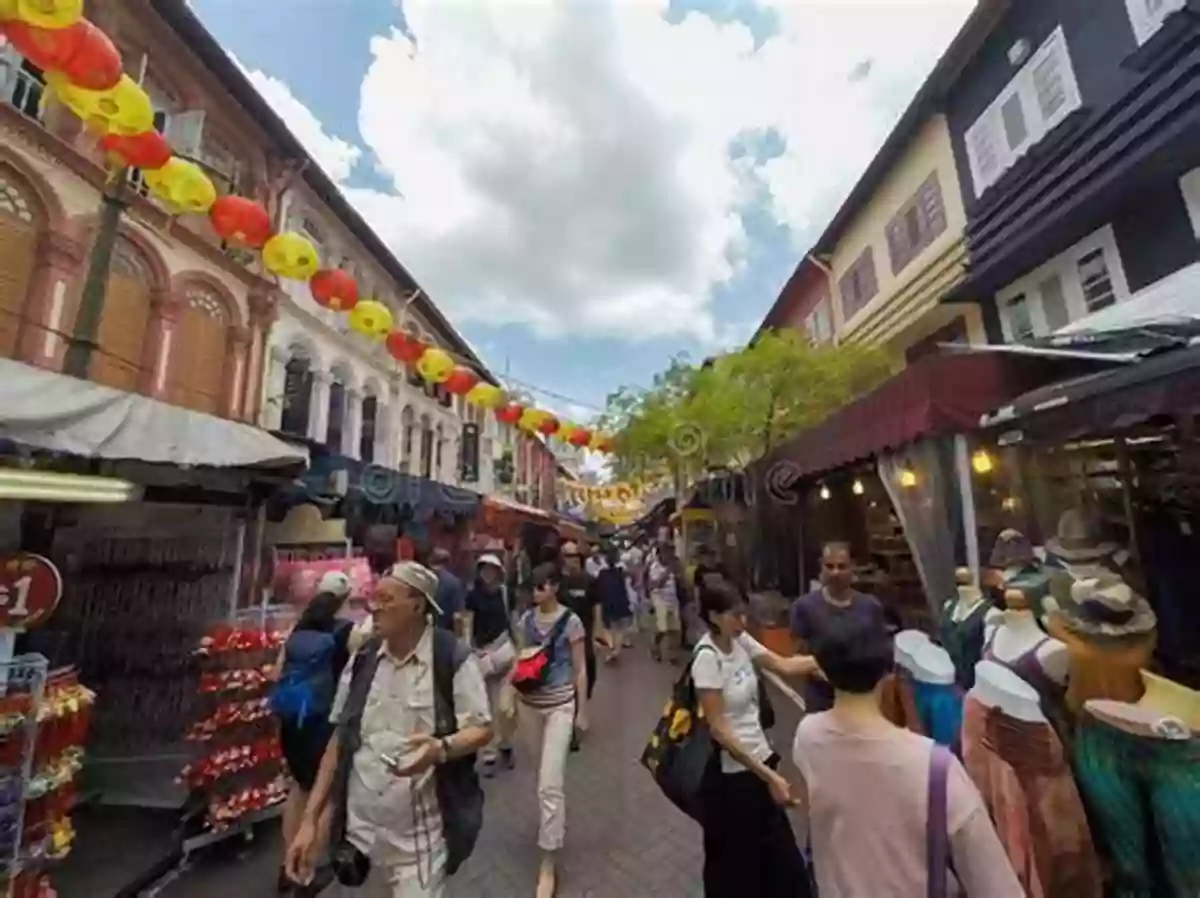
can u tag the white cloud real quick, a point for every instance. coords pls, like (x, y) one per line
(566, 166)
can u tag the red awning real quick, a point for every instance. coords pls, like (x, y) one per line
(936, 395)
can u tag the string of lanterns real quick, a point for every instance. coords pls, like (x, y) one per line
(84, 73)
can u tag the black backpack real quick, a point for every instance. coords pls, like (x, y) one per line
(459, 793)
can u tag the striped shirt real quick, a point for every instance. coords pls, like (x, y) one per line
(533, 631)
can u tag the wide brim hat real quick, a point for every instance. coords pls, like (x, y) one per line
(1075, 540)
(417, 576)
(1106, 606)
(1012, 549)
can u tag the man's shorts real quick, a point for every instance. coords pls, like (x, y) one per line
(666, 616)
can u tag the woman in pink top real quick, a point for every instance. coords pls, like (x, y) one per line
(867, 790)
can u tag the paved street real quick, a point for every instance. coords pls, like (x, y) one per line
(623, 838)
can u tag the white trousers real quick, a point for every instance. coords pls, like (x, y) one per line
(409, 881)
(551, 729)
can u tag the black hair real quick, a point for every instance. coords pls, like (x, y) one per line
(321, 612)
(854, 654)
(718, 599)
(545, 573)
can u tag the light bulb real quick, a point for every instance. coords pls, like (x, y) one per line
(981, 462)
(824, 492)
(908, 479)
(857, 488)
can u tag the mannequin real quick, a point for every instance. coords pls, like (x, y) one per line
(1015, 564)
(1016, 759)
(896, 700)
(962, 627)
(938, 698)
(1139, 766)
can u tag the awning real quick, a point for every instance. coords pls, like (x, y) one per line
(499, 503)
(1163, 384)
(936, 395)
(45, 410)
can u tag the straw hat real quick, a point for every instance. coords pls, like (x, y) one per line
(1076, 541)
(1106, 606)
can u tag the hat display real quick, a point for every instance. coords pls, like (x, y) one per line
(1012, 549)
(1076, 541)
(1105, 606)
(418, 577)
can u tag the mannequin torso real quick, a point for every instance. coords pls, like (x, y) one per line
(1014, 636)
(999, 688)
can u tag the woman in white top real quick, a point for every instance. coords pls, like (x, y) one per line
(750, 850)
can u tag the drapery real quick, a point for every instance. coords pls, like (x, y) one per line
(928, 510)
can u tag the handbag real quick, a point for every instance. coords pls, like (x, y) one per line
(532, 669)
(939, 858)
(680, 752)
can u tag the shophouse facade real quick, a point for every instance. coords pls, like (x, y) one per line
(1076, 130)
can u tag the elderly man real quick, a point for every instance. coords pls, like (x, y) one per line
(398, 777)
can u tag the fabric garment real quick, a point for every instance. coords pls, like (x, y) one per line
(666, 615)
(963, 639)
(1167, 546)
(495, 661)
(1051, 693)
(750, 850)
(559, 685)
(394, 820)
(406, 882)
(577, 592)
(1025, 779)
(813, 615)
(1109, 668)
(868, 813)
(451, 597)
(612, 592)
(1127, 779)
(733, 674)
(940, 709)
(551, 731)
(897, 703)
(489, 614)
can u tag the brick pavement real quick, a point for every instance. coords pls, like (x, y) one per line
(623, 839)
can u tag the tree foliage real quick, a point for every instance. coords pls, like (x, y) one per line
(733, 409)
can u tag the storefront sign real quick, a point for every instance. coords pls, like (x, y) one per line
(298, 552)
(30, 589)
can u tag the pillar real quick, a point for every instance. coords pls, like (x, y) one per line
(264, 312)
(271, 392)
(352, 428)
(318, 418)
(57, 265)
(236, 396)
(166, 314)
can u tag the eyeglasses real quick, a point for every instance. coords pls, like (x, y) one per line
(570, 555)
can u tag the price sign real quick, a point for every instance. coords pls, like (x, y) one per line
(30, 590)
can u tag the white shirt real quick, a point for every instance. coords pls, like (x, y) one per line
(668, 591)
(594, 565)
(395, 820)
(735, 676)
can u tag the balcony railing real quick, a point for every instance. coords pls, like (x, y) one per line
(25, 90)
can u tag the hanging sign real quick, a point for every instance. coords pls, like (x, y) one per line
(30, 589)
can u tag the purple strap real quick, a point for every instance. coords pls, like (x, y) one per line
(937, 832)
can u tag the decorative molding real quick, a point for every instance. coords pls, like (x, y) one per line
(240, 336)
(264, 308)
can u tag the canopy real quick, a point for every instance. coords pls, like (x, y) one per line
(936, 395)
(50, 411)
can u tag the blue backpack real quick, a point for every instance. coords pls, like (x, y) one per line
(307, 684)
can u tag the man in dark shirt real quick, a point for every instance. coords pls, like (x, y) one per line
(451, 594)
(709, 568)
(812, 615)
(577, 591)
(491, 637)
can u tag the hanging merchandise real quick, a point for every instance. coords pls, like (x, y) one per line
(182, 186)
(405, 348)
(961, 627)
(50, 13)
(510, 413)
(461, 381)
(435, 366)
(24, 680)
(146, 151)
(371, 318)
(335, 289)
(291, 256)
(240, 221)
(124, 109)
(485, 395)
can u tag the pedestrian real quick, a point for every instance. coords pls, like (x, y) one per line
(813, 614)
(451, 594)
(595, 560)
(552, 638)
(310, 667)
(397, 791)
(577, 591)
(613, 595)
(864, 775)
(750, 850)
(634, 560)
(708, 569)
(491, 636)
(664, 580)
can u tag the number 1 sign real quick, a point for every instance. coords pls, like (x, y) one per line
(30, 589)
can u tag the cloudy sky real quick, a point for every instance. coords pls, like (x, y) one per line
(587, 187)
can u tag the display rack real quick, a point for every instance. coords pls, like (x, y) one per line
(24, 848)
(900, 584)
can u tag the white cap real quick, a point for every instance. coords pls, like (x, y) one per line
(489, 559)
(335, 582)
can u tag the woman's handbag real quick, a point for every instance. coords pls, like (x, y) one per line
(532, 669)
(681, 750)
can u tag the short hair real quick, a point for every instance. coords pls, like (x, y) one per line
(545, 574)
(837, 545)
(439, 556)
(718, 599)
(854, 653)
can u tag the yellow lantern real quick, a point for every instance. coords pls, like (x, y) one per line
(8, 10)
(46, 13)
(291, 256)
(435, 365)
(484, 395)
(371, 318)
(124, 110)
(531, 418)
(183, 186)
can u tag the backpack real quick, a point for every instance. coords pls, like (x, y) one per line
(459, 793)
(532, 670)
(307, 684)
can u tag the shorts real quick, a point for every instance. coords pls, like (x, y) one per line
(666, 616)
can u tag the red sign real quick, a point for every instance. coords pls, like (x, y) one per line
(30, 590)
(295, 582)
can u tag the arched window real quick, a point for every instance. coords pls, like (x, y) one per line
(408, 426)
(125, 319)
(370, 415)
(426, 447)
(337, 411)
(20, 227)
(199, 352)
(297, 396)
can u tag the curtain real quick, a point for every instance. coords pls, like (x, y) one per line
(929, 512)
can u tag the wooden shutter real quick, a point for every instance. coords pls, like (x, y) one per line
(125, 319)
(199, 352)
(932, 209)
(19, 229)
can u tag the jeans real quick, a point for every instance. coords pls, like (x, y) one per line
(552, 730)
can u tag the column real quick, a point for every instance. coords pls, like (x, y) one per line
(237, 396)
(166, 312)
(352, 429)
(273, 384)
(318, 418)
(59, 263)
(264, 312)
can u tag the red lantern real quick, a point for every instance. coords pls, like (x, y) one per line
(148, 151)
(549, 427)
(82, 53)
(510, 413)
(580, 437)
(334, 289)
(604, 445)
(240, 221)
(47, 48)
(460, 381)
(405, 348)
